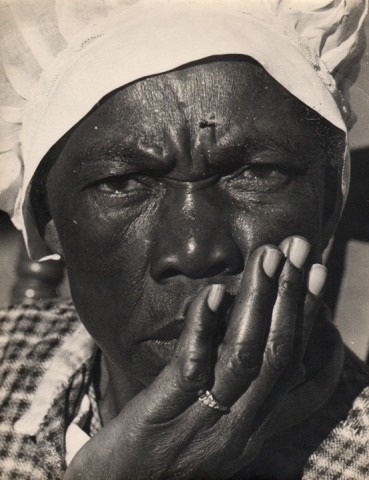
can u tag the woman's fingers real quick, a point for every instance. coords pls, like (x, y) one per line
(261, 337)
(284, 343)
(287, 320)
(283, 349)
(243, 347)
(178, 385)
(315, 286)
(194, 349)
(292, 367)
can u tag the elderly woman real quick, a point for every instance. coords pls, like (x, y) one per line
(188, 160)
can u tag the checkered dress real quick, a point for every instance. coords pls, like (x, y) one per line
(30, 337)
(46, 359)
(345, 453)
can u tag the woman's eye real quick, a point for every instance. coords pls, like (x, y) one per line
(119, 185)
(261, 176)
(265, 172)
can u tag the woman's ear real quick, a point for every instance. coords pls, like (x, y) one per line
(51, 238)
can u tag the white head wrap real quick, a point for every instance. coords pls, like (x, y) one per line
(60, 57)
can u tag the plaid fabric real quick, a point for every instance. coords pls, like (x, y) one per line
(30, 336)
(345, 453)
(314, 446)
(333, 443)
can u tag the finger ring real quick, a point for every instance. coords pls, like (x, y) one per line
(209, 400)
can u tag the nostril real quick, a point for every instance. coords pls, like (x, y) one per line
(207, 257)
(200, 271)
(169, 273)
(218, 268)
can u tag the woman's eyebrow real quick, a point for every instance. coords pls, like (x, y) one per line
(260, 149)
(250, 146)
(285, 142)
(118, 155)
(116, 152)
(258, 137)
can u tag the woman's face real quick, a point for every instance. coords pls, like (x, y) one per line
(169, 185)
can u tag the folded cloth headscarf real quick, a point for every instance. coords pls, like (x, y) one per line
(60, 57)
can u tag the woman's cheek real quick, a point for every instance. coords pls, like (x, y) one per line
(271, 219)
(106, 240)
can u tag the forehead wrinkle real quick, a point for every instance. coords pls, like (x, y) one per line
(166, 125)
(180, 100)
(244, 134)
(203, 93)
(164, 112)
(233, 82)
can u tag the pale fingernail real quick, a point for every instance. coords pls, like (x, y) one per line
(317, 278)
(215, 296)
(271, 260)
(298, 251)
(285, 246)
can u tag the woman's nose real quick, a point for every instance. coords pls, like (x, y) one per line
(194, 239)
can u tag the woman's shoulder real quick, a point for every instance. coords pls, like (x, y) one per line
(333, 440)
(345, 452)
(37, 391)
(29, 336)
(36, 321)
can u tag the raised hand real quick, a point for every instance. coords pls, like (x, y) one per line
(165, 431)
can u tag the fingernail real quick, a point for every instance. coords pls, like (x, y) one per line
(285, 246)
(317, 278)
(215, 297)
(298, 251)
(271, 260)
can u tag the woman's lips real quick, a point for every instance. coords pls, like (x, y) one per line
(163, 341)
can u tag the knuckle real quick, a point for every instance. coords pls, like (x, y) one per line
(278, 353)
(193, 375)
(245, 360)
(288, 287)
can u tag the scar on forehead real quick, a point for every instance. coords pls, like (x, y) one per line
(207, 135)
